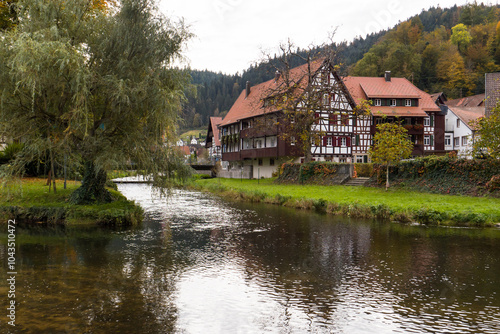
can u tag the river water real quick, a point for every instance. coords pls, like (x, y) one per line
(199, 264)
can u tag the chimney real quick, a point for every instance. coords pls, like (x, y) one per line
(388, 76)
(277, 76)
(247, 89)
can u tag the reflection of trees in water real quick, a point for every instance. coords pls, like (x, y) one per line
(304, 257)
(101, 282)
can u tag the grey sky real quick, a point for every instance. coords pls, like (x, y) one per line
(230, 34)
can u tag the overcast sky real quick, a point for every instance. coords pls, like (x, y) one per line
(230, 34)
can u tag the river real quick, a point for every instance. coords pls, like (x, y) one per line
(199, 264)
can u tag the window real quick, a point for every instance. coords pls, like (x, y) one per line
(464, 140)
(328, 141)
(427, 140)
(378, 121)
(458, 123)
(273, 142)
(357, 140)
(260, 162)
(326, 99)
(427, 121)
(393, 103)
(359, 159)
(271, 162)
(378, 102)
(343, 141)
(408, 103)
(456, 141)
(447, 140)
(292, 140)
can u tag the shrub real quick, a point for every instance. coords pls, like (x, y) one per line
(364, 170)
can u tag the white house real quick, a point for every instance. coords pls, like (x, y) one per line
(459, 129)
(194, 141)
(180, 142)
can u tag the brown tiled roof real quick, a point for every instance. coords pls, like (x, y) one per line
(468, 114)
(215, 121)
(251, 106)
(184, 150)
(364, 88)
(469, 101)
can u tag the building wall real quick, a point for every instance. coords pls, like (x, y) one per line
(458, 135)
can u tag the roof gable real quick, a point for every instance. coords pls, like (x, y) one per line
(252, 105)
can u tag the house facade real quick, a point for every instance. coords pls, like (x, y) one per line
(252, 138)
(459, 130)
(213, 139)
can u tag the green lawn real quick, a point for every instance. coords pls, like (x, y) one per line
(30, 199)
(396, 200)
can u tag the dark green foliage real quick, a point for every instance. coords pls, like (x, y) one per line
(10, 152)
(93, 188)
(447, 175)
(364, 170)
(313, 172)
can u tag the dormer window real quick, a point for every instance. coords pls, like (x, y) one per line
(378, 102)
(408, 102)
(393, 102)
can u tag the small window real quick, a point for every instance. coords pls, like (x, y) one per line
(456, 141)
(458, 123)
(393, 102)
(292, 140)
(271, 162)
(427, 121)
(260, 162)
(408, 103)
(464, 140)
(427, 140)
(328, 141)
(447, 140)
(343, 141)
(326, 99)
(378, 121)
(359, 159)
(378, 102)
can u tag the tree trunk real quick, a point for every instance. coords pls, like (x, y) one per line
(387, 178)
(52, 170)
(93, 188)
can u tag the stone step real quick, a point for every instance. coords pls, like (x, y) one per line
(359, 181)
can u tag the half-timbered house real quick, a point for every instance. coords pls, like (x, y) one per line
(252, 132)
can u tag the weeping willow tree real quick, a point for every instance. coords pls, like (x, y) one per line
(95, 84)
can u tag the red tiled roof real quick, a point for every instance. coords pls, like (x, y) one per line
(215, 121)
(468, 114)
(469, 101)
(364, 88)
(251, 105)
(184, 150)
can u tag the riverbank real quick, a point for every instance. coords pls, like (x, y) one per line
(362, 202)
(29, 200)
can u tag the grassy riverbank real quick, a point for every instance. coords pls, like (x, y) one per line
(29, 200)
(363, 202)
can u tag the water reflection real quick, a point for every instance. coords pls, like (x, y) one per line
(201, 265)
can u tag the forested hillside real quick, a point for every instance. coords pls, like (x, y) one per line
(215, 93)
(446, 50)
(440, 50)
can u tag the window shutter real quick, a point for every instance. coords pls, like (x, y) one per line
(357, 140)
(336, 141)
(348, 141)
(325, 140)
(432, 140)
(432, 120)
